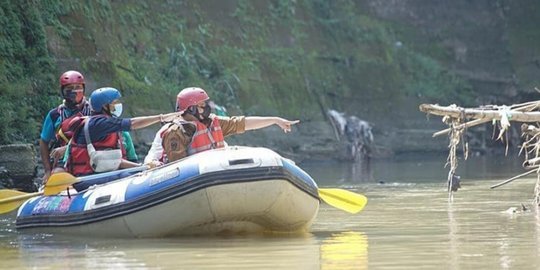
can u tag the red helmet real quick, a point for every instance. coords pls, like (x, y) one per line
(71, 77)
(190, 96)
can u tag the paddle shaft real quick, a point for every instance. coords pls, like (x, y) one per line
(106, 174)
(15, 198)
(21, 197)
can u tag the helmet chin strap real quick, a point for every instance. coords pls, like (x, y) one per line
(107, 110)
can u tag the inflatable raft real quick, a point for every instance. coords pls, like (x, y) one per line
(235, 189)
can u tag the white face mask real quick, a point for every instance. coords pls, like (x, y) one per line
(117, 110)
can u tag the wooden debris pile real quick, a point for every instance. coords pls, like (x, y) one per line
(460, 119)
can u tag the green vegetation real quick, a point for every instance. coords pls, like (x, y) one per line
(255, 57)
(26, 79)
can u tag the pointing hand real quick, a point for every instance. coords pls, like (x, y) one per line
(286, 124)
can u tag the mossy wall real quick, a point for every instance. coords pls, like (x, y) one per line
(293, 58)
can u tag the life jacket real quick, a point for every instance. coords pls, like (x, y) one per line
(62, 132)
(175, 139)
(78, 162)
(206, 138)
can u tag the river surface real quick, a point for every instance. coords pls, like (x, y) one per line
(408, 223)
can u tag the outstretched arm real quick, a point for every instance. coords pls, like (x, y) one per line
(144, 121)
(257, 122)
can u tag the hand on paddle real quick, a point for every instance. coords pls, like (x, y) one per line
(56, 154)
(45, 177)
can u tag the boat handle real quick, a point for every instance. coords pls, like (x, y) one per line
(102, 199)
(241, 161)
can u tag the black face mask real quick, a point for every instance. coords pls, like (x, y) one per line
(72, 98)
(203, 117)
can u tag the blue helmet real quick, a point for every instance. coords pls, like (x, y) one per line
(103, 96)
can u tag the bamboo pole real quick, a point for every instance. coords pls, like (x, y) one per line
(531, 105)
(531, 162)
(466, 125)
(523, 107)
(524, 112)
(513, 115)
(513, 178)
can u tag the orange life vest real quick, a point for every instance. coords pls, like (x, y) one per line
(78, 162)
(206, 138)
(177, 142)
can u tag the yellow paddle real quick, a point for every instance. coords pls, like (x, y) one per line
(12, 199)
(59, 182)
(343, 199)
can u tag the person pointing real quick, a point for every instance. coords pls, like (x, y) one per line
(198, 130)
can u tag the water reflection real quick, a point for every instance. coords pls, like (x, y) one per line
(345, 250)
(339, 250)
(453, 235)
(238, 252)
(537, 230)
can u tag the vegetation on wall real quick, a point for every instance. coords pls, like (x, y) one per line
(255, 57)
(26, 80)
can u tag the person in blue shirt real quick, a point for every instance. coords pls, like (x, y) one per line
(54, 134)
(102, 130)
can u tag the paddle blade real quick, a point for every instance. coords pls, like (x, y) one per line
(12, 199)
(59, 182)
(343, 199)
